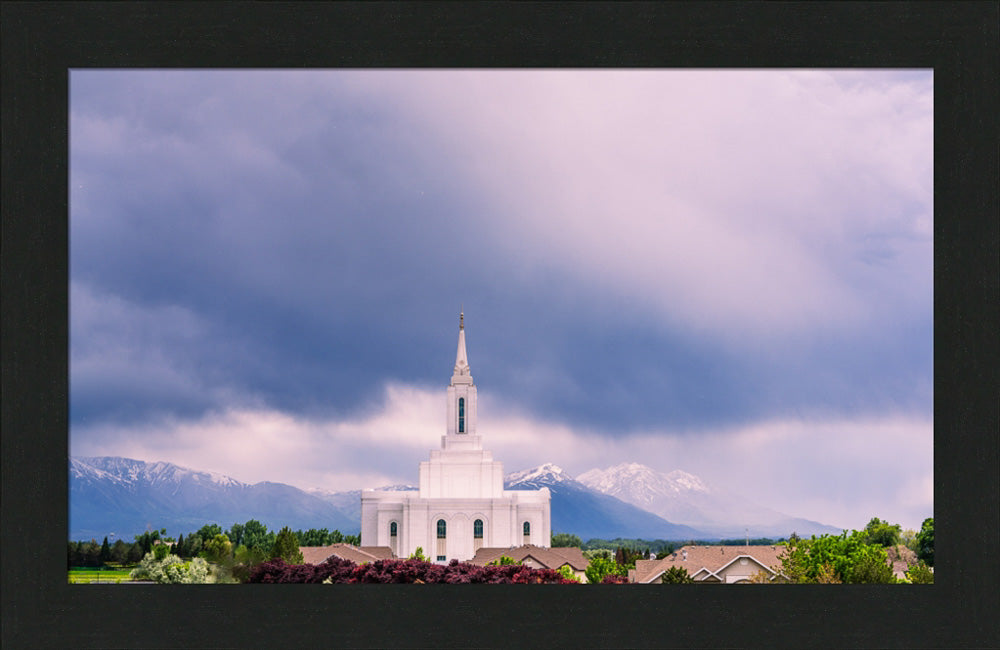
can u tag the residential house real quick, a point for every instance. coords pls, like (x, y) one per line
(357, 554)
(712, 564)
(537, 557)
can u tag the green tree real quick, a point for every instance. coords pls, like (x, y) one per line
(925, 542)
(920, 574)
(208, 531)
(870, 566)
(135, 553)
(419, 555)
(249, 556)
(908, 538)
(256, 534)
(218, 549)
(565, 540)
(193, 545)
(146, 540)
(606, 553)
(626, 557)
(503, 560)
(119, 552)
(286, 547)
(832, 558)
(676, 575)
(105, 555)
(235, 534)
(567, 573)
(882, 533)
(600, 567)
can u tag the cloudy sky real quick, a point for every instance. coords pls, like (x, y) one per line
(725, 272)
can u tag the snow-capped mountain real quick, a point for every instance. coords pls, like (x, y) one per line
(588, 513)
(683, 497)
(639, 484)
(125, 496)
(543, 476)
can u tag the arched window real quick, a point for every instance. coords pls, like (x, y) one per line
(392, 529)
(527, 528)
(442, 532)
(461, 415)
(477, 529)
(393, 538)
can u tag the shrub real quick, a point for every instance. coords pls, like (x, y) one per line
(614, 579)
(171, 570)
(409, 571)
(920, 574)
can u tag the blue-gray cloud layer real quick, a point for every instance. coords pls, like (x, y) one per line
(294, 240)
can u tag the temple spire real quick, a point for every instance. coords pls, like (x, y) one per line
(461, 358)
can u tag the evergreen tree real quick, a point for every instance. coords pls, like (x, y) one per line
(119, 551)
(105, 551)
(676, 575)
(286, 547)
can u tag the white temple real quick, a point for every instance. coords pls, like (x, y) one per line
(461, 504)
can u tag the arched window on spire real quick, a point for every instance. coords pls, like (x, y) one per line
(527, 532)
(461, 415)
(393, 536)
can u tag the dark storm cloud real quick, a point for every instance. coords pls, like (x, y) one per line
(323, 233)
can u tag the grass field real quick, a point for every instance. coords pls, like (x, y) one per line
(86, 576)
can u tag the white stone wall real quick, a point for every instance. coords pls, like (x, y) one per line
(417, 517)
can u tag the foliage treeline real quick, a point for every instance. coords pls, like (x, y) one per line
(246, 544)
(858, 557)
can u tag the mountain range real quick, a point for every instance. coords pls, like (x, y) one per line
(588, 513)
(126, 497)
(123, 496)
(679, 496)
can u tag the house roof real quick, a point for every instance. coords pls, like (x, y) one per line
(711, 559)
(356, 554)
(551, 558)
(901, 559)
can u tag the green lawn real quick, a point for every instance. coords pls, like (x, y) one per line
(88, 575)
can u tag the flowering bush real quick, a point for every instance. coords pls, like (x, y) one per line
(614, 579)
(409, 571)
(171, 570)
